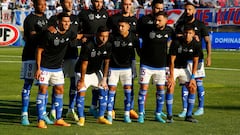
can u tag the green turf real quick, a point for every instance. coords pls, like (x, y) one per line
(222, 106)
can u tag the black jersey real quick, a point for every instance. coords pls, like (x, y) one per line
(200, 30)
(55, 46)
(72, 50)
(184, 52)
(154, 49)
(91, 19)
(122, 50)
(112, 22)
(94, 55)
(32, 23)
(144, 23)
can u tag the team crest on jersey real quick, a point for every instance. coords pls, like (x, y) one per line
(117, 43)
(56, 41)
(93, 53)
(152, 35)
(98, 16)
(91, 16)
(180, 49)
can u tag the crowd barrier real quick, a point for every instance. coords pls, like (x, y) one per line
(210, 16)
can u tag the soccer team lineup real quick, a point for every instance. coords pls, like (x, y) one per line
(169, 56)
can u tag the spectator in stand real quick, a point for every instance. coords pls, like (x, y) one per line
(109, 4)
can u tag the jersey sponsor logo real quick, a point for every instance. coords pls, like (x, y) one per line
(42, 23)
(150, 22)
(8, 34)
(104, 16)
(130, 44)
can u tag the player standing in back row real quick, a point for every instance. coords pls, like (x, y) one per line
(112, 23)
(34, 25)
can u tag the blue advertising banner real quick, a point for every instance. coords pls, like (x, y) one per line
(225, 40)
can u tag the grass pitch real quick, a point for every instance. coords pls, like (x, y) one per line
(222, 104)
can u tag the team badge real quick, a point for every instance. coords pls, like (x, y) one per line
(152, 35)
(93, 53)
(98, 16)
(116, 43)
(56, 41)
(180, 49)
(91, 16)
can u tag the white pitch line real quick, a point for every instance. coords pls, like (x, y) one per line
(226, 69)
(10, 56)
(2, 61)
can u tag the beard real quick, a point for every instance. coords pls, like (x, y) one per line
(188, 18)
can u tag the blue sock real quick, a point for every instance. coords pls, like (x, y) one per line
(95, 94)
(184, 97)
(132, 95)
(141, 100)
(53, 99)
(191, 101)
(127, 100)
(102, 101)
(169, 100)
(111, 95)
(58, 105)
(200, 90)
(80, 105)
(40, 105)
(160, 100)
(46, 102)
(72, 93)
(26, 94)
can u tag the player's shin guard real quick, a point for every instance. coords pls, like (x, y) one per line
(127, 101)
(46, 102)
(80, 105)
(72, 93)
(58, 105)
(111, 95)
(40, 105)
(53, 99)
(26, 95)
(200, 90)
(160, 100)
(169, 100)
(141, 101)
(103, 96)
(191, 101)
(95, 94)
(184, 97)
(132, 95)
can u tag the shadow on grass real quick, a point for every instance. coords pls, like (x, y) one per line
(223, 107)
